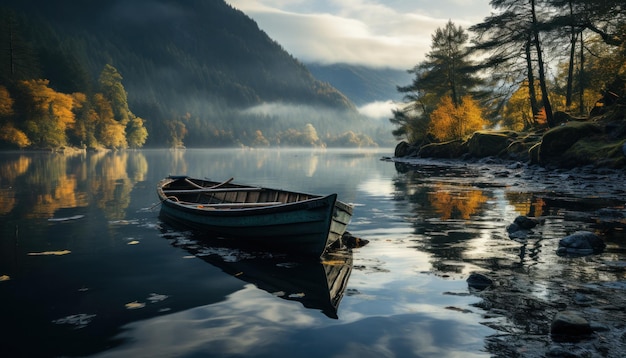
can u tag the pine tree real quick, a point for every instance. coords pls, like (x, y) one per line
(447, 72)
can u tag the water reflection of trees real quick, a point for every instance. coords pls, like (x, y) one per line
(463, 228)
(460, 202)
(36, 185)
(441, 214)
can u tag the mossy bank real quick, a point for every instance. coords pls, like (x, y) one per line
(599, 140)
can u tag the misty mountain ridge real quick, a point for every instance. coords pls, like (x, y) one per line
(363, 84)
(200, 63)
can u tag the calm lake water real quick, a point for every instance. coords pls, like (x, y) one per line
(87, 267)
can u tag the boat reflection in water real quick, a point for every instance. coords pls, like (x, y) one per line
(317, 283)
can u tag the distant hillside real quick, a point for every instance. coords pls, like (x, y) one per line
(362, 84)
(202, 64)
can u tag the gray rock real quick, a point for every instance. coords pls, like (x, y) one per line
(581, 243)
(570, 326)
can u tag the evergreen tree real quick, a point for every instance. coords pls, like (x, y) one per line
(447, 69)
(17, 57)
(506, 38)
(447, 72)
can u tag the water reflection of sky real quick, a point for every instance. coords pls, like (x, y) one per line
(395, 305)
(252, 323)
(406, 296)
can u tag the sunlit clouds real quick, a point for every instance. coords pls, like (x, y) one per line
(393, 34)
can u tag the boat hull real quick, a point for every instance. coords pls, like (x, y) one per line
(305, 227)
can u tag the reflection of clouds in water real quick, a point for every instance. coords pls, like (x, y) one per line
(247, 322)
(251, 322)
(377, 186)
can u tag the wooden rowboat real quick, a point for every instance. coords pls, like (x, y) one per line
(288, 221)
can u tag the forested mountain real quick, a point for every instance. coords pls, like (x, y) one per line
(362, 84)
(199, 73)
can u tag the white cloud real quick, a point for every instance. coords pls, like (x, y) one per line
(378, 109)
(395, 34)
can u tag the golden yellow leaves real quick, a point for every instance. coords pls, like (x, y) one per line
(50, 253)
(8, 132)
(13, 135)
(134, 305)
(448, 122)
(6, 102)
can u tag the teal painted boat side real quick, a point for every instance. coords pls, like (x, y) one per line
(306, 226)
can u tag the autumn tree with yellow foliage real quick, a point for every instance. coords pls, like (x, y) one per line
(34, 114)
(448, 122)
(47, 113)
(439, 101)
(8, 132)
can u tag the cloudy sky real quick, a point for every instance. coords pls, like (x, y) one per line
(390, 33)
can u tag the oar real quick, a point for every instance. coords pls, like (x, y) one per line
(199, 187)
(211, 187)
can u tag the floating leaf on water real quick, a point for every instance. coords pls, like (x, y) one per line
(238, 274)
(4, 278)
(155, 297)
(134, 305)
(79, 320)
(123, 222)
(134, 242)
(287, 264)
(69, 218)
(50, 253)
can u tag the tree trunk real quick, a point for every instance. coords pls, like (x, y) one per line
(581, 76)
(534, 106)
(542, 75)
(570, 69)
(11, 52)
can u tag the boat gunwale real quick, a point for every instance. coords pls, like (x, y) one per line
(208, 210)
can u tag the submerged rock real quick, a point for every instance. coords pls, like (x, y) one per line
(525, 222)
(521, 226)
(570, 326)
(479, 281)
(353, 242)
(581, 243)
